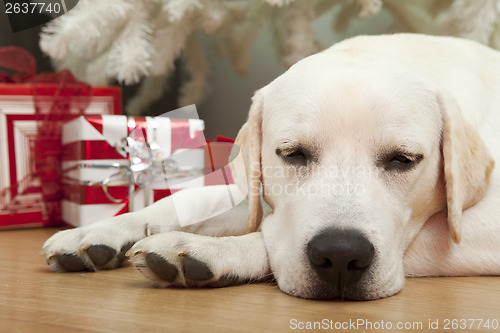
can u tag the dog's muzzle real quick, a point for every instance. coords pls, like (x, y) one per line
(340, 257)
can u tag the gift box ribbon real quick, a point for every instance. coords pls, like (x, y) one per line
(58, 97)
(148, 164)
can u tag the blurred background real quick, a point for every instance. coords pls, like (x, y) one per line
(215, 53)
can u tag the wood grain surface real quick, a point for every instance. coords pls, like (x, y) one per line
(32, 299)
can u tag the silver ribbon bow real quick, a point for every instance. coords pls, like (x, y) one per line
(148, 165)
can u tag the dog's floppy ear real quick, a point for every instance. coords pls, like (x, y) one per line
(467, 163)
(247, 173)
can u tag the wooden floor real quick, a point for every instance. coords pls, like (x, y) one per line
(34, 300)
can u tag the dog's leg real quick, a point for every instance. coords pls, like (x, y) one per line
(102, 245)
(189, 260)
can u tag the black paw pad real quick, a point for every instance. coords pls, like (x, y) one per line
(162, 268)
(71, 263)
(101, 254)
(196, 270)
(225, 281)
(123, 250)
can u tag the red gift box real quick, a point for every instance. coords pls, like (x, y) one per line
(99, 160)
(217, 171)
(22, 202)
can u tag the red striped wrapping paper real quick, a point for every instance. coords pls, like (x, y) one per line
(21, 200)
(90, 157)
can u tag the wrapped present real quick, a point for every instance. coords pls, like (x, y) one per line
(27, 167)
(116, 164)
(33, 108)
(217, 152)
(218, 155)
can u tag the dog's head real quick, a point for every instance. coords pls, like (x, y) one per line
(354, 154)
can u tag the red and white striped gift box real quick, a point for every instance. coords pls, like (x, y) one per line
(91, 159)
(21, 199)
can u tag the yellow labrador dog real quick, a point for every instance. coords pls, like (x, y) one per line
(369, 161)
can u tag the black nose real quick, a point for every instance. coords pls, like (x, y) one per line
(340, 257)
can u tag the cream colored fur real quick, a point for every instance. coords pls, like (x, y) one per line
(349, 106)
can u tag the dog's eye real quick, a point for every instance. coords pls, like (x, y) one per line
(401, 161)
(295, 156)
(398, 158)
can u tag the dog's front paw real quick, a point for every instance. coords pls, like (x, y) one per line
(184, 260)
(95, 247)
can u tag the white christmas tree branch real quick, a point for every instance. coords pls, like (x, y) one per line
(130, 57)
(87, 30)
(134, 40)
(151, 89)
(193, 91)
